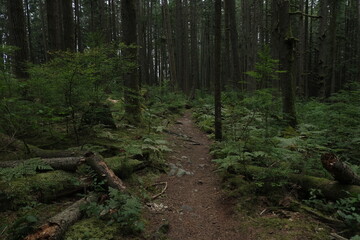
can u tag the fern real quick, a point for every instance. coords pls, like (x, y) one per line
(29, 167)
(122, 209)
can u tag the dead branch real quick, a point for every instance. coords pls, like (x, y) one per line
(162, 192)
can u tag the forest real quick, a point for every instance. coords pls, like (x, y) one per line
(179, 119)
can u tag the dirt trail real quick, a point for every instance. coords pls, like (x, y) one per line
(197, 208)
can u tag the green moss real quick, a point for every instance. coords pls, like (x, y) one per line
(39, 187)
(91, 228)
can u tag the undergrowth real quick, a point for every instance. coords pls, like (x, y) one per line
(254, 134)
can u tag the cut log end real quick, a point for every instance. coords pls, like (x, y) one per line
(96, 162)
(339, 170)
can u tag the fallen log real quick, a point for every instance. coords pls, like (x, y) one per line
(16, 149)
(69, 164)
(330, 189)
(339, 170)
(96, 162)
(56, 226)
(42, 187)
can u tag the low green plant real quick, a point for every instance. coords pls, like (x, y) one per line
(345, 209)
(27, 168)
(120, 209)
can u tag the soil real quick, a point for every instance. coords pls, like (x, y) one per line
(193, 206)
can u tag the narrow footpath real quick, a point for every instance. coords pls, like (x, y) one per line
(193, 206)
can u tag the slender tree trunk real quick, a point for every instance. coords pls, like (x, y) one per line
(78, 34)
(131, 78)
(194, 44)
(29, 30)
(169, 41)
(53, 25)
(230, 8)
(68, 20)
(217, 71)
(18, 38)
(227, 63)
(322, 66)
(44, 31)
(286, 52)
(185, 54)
(333, 44)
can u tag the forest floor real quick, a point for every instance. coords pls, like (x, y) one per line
(194, 205)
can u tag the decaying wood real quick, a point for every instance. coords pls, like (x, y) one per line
(96, 162)
(330, 189)
(339, 170)
(56, 226)
(69, 164)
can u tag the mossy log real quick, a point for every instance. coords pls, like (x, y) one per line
(55, 227)
(96, 162)
(42, 187)
(121, 166)
(69, 164)
(330, 189)
(339, 170)
(15, 149)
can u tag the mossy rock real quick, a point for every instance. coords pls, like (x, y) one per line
(40, 187)
(91, 228)
(122, 167)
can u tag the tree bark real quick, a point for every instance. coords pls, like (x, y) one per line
(55, 227)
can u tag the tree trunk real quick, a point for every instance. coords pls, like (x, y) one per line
(230, 8)
(29, 31)
(194, 45)
(333, 44)
(217, 70)
(131, 77)
(287, 55)
(68, 22)
(322, 66)
(55, 227)
(53, 25)
(78, 33)
(169, 41)
(18, 38)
